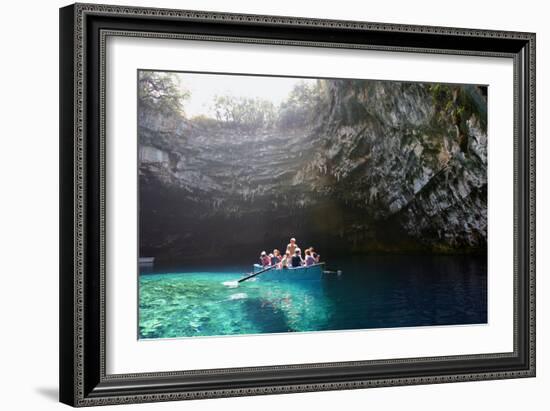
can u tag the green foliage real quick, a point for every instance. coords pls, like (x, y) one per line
(459, 103)
(299, 109)
(161, 91)
(456, 102)
(244, 112)
(204, 121)
(442, 95)
(302, 105)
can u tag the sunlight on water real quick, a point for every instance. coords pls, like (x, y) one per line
(373, 293)
(199, 304)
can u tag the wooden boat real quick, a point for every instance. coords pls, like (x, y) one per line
(311, 272)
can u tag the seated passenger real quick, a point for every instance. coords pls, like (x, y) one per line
(286, 261)
(316, 256)
(310, 260)
(264, 259)
(275, 257)
(297, 260)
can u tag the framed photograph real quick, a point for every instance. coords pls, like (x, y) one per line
(261, 204)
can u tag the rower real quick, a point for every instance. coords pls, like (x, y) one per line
(292, 246)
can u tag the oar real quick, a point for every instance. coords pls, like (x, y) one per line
(255, 274)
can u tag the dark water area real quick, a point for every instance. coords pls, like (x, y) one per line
(401, 291)
(371, 292)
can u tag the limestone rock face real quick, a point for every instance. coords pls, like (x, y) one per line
(382, 168)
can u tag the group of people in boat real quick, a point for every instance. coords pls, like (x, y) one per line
(292, 257)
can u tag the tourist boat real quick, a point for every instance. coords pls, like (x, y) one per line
(310, 272)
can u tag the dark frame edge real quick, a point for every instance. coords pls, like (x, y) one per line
(66, 204)
(525, 202)
(76, 386)
(529, 134)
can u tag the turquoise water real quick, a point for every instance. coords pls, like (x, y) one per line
(372, 292)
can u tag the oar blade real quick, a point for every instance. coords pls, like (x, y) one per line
(231, 284)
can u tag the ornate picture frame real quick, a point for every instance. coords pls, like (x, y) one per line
(84, 30)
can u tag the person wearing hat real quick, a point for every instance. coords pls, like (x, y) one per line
(264, 259)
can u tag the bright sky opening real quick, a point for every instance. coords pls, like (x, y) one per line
(205, 87)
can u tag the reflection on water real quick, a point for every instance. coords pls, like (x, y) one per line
(372, 292)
